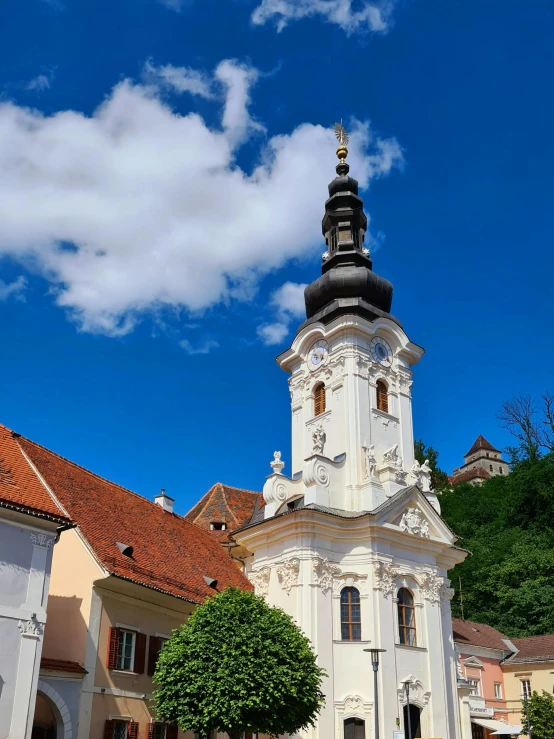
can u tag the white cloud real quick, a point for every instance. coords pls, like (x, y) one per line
(41, 82)
(14, 288)
(273, 333)
(204, 348)
(180, 79)
(137, 208)
(289, 299)
(375, 17)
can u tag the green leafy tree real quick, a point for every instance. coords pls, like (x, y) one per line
(439, 478)
(238, 665)
(538, 712)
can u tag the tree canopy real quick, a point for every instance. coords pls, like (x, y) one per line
(538, 713)
(238, 665)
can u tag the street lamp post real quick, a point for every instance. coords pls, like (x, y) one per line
(375, 665)
(406, 685)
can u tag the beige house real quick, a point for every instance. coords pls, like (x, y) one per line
(126, 576)
(530, 668)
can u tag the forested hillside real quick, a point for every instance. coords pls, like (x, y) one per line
(507, 524)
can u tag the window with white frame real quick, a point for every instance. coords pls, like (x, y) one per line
(525, 688)
(126, 650)
(498, 690)
(475, 687)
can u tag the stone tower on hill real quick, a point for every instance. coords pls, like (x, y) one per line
(481, 462)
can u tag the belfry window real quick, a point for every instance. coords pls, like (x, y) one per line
(319, 399)
(382, 397)
(350, 620)
(406, 618)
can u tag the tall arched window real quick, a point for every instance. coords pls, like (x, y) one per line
(406, 618)
(319, 399)
(354, 728)
(382, 397)
(350, 621)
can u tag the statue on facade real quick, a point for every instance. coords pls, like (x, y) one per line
(318, 439)
(370, 461)
(415, 473)
(425, 477)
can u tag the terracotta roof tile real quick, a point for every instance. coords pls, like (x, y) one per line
(478, 635)
(20, 487)
(225, 504)
(476, 472)
(533, 649)
(481, 443)
(169, 552)
(62, 665)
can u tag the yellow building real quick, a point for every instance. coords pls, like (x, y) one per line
(530, 668)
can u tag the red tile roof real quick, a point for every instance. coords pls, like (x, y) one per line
(477, 635)
(481, 443)
(476, 472)
(533, 649)
(62, 665)
(224, 504)
(20, 487)
(169, 553)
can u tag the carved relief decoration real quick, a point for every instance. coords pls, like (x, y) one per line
(41, 540)
(431, 587)
(385, 577)
(318, 439)
(288, 572)
(324, 571)
(30, 628)
(353, 703)
(350, 580)
(413, 523)
(446, 595)
(260, 581)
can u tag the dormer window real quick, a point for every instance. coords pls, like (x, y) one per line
(218, 526)
(382, 397)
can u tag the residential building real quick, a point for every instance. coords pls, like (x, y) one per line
(481, 462)
(122, 580)
(530, 668)
(30, 525)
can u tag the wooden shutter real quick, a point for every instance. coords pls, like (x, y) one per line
(319, 399)
(132, 730)
(382, 397)
(151, 729)
(171, 731)
(154, 646)
(113, 647)
(140, 652)
(108, 730)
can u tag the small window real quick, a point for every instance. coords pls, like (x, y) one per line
(126, 650)
(525, 689)
(475, 687)
(319, 399)
(500, 470)
(498, 690)
(218, 526)
(491, 468)
(354, 728)
(382, 397)
(488, 455)
(406, 618)
(350, 621)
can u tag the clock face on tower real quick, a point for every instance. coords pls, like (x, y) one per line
(381, 351)
(318, 354)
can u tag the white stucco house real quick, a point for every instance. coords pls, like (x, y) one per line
(30, 523)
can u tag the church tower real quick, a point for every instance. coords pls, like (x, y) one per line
(350, 543)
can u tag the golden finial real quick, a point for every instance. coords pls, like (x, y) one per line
(342, 138)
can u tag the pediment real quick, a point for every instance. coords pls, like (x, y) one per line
(410, 512)
(473, 662)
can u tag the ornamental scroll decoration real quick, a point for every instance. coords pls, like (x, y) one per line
(30, 628)
(260, 581)
(412, 522)
(324, 572)
(288, 572)
(41, 540)
(431, 587)
(446, 595)
(385, 577)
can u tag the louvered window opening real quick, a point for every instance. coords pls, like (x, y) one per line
(350, 615)
(406, 618)
(319, 399)
(382, 397)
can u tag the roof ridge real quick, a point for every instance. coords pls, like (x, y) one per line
(229, 507)
(89, 472)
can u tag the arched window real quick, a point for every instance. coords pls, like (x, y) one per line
(354, 728)
(406, 618)
(490, 465)
(350, 623)
(319, 399)
(382, 397)
(500, 470)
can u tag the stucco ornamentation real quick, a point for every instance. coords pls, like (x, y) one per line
(385, 577)
(288, 572)
(318, 439)
(353, 703)
(280, 492)
(260, 581)
(41, 540)
(446, 595)
(324, 571)
(30, 628)
(431, 587)
(412, 522)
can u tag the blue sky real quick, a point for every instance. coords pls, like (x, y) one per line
(163, 171)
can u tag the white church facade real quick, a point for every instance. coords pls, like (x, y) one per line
(351, 542)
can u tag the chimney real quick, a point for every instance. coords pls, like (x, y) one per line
(164, 500)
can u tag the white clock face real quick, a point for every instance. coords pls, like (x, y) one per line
(318, 354)
(381, 351)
